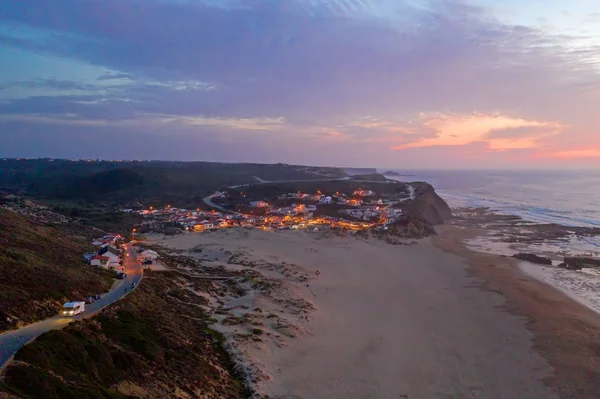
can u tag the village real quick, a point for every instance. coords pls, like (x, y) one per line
(361, 210)
(109, 254)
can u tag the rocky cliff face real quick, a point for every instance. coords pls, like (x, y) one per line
(411, 227)
(428, 205)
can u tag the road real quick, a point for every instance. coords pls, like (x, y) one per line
(261, 181)
(208, 200)
(12, 341)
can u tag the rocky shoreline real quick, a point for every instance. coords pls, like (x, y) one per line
(517, 235)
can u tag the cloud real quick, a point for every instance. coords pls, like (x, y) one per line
(264, 124)
(276, 59)
(371, 74)
(573, 154)
(49, 83)
(499, 131)
(116, 76)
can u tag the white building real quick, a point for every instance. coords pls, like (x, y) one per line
(148, 255)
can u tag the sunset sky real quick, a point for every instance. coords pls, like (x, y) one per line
(381, 83)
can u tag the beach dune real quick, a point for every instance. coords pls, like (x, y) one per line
(391, 321)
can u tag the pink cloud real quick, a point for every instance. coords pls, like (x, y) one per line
(500, 132)
(574, 154)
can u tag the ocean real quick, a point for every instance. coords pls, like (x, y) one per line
(569, 198)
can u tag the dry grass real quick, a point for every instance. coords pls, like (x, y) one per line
(41, 267)
(150, 342)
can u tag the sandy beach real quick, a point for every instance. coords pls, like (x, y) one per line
(420, 320)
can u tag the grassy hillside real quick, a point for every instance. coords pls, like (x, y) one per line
(152, 344)
(40, 267)
(155, 183)
(269, 192)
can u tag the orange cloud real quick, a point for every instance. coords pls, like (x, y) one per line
(571, 154)
(334, 134)
(458, 130)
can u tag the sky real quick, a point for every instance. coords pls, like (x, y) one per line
(364, 83)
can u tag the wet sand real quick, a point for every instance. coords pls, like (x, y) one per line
(566, 332)
(430, 320)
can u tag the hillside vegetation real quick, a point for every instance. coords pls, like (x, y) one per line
(41, 266)
(154, 183)
(151, 345)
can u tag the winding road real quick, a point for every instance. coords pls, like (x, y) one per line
(209, 200)
(12, 341)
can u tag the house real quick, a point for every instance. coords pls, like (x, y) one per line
(112, 253)
(363, 193)
(100, 261)
(206, 224)
(111, 237)
(198, 227)
(326, 200)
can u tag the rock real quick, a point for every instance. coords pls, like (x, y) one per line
(428, 205)
(577, 263)
(410, 227)
(540, 260)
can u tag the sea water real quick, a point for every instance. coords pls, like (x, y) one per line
(568, 198)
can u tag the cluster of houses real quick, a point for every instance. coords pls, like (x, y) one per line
(358, 198)
(108, 254)
(366, 211)
(197, 220)
(295, 209)
(384, 216)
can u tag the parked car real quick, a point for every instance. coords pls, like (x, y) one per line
(89, 299)
(121, 276)
(147, 262)
(96, 297)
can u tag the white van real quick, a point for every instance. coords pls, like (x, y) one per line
(73, 308)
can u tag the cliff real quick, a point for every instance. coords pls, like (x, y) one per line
(411, 227)
(370, 177)
(428, 205)
(360, 171)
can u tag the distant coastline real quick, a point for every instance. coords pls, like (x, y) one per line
(395, 174)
